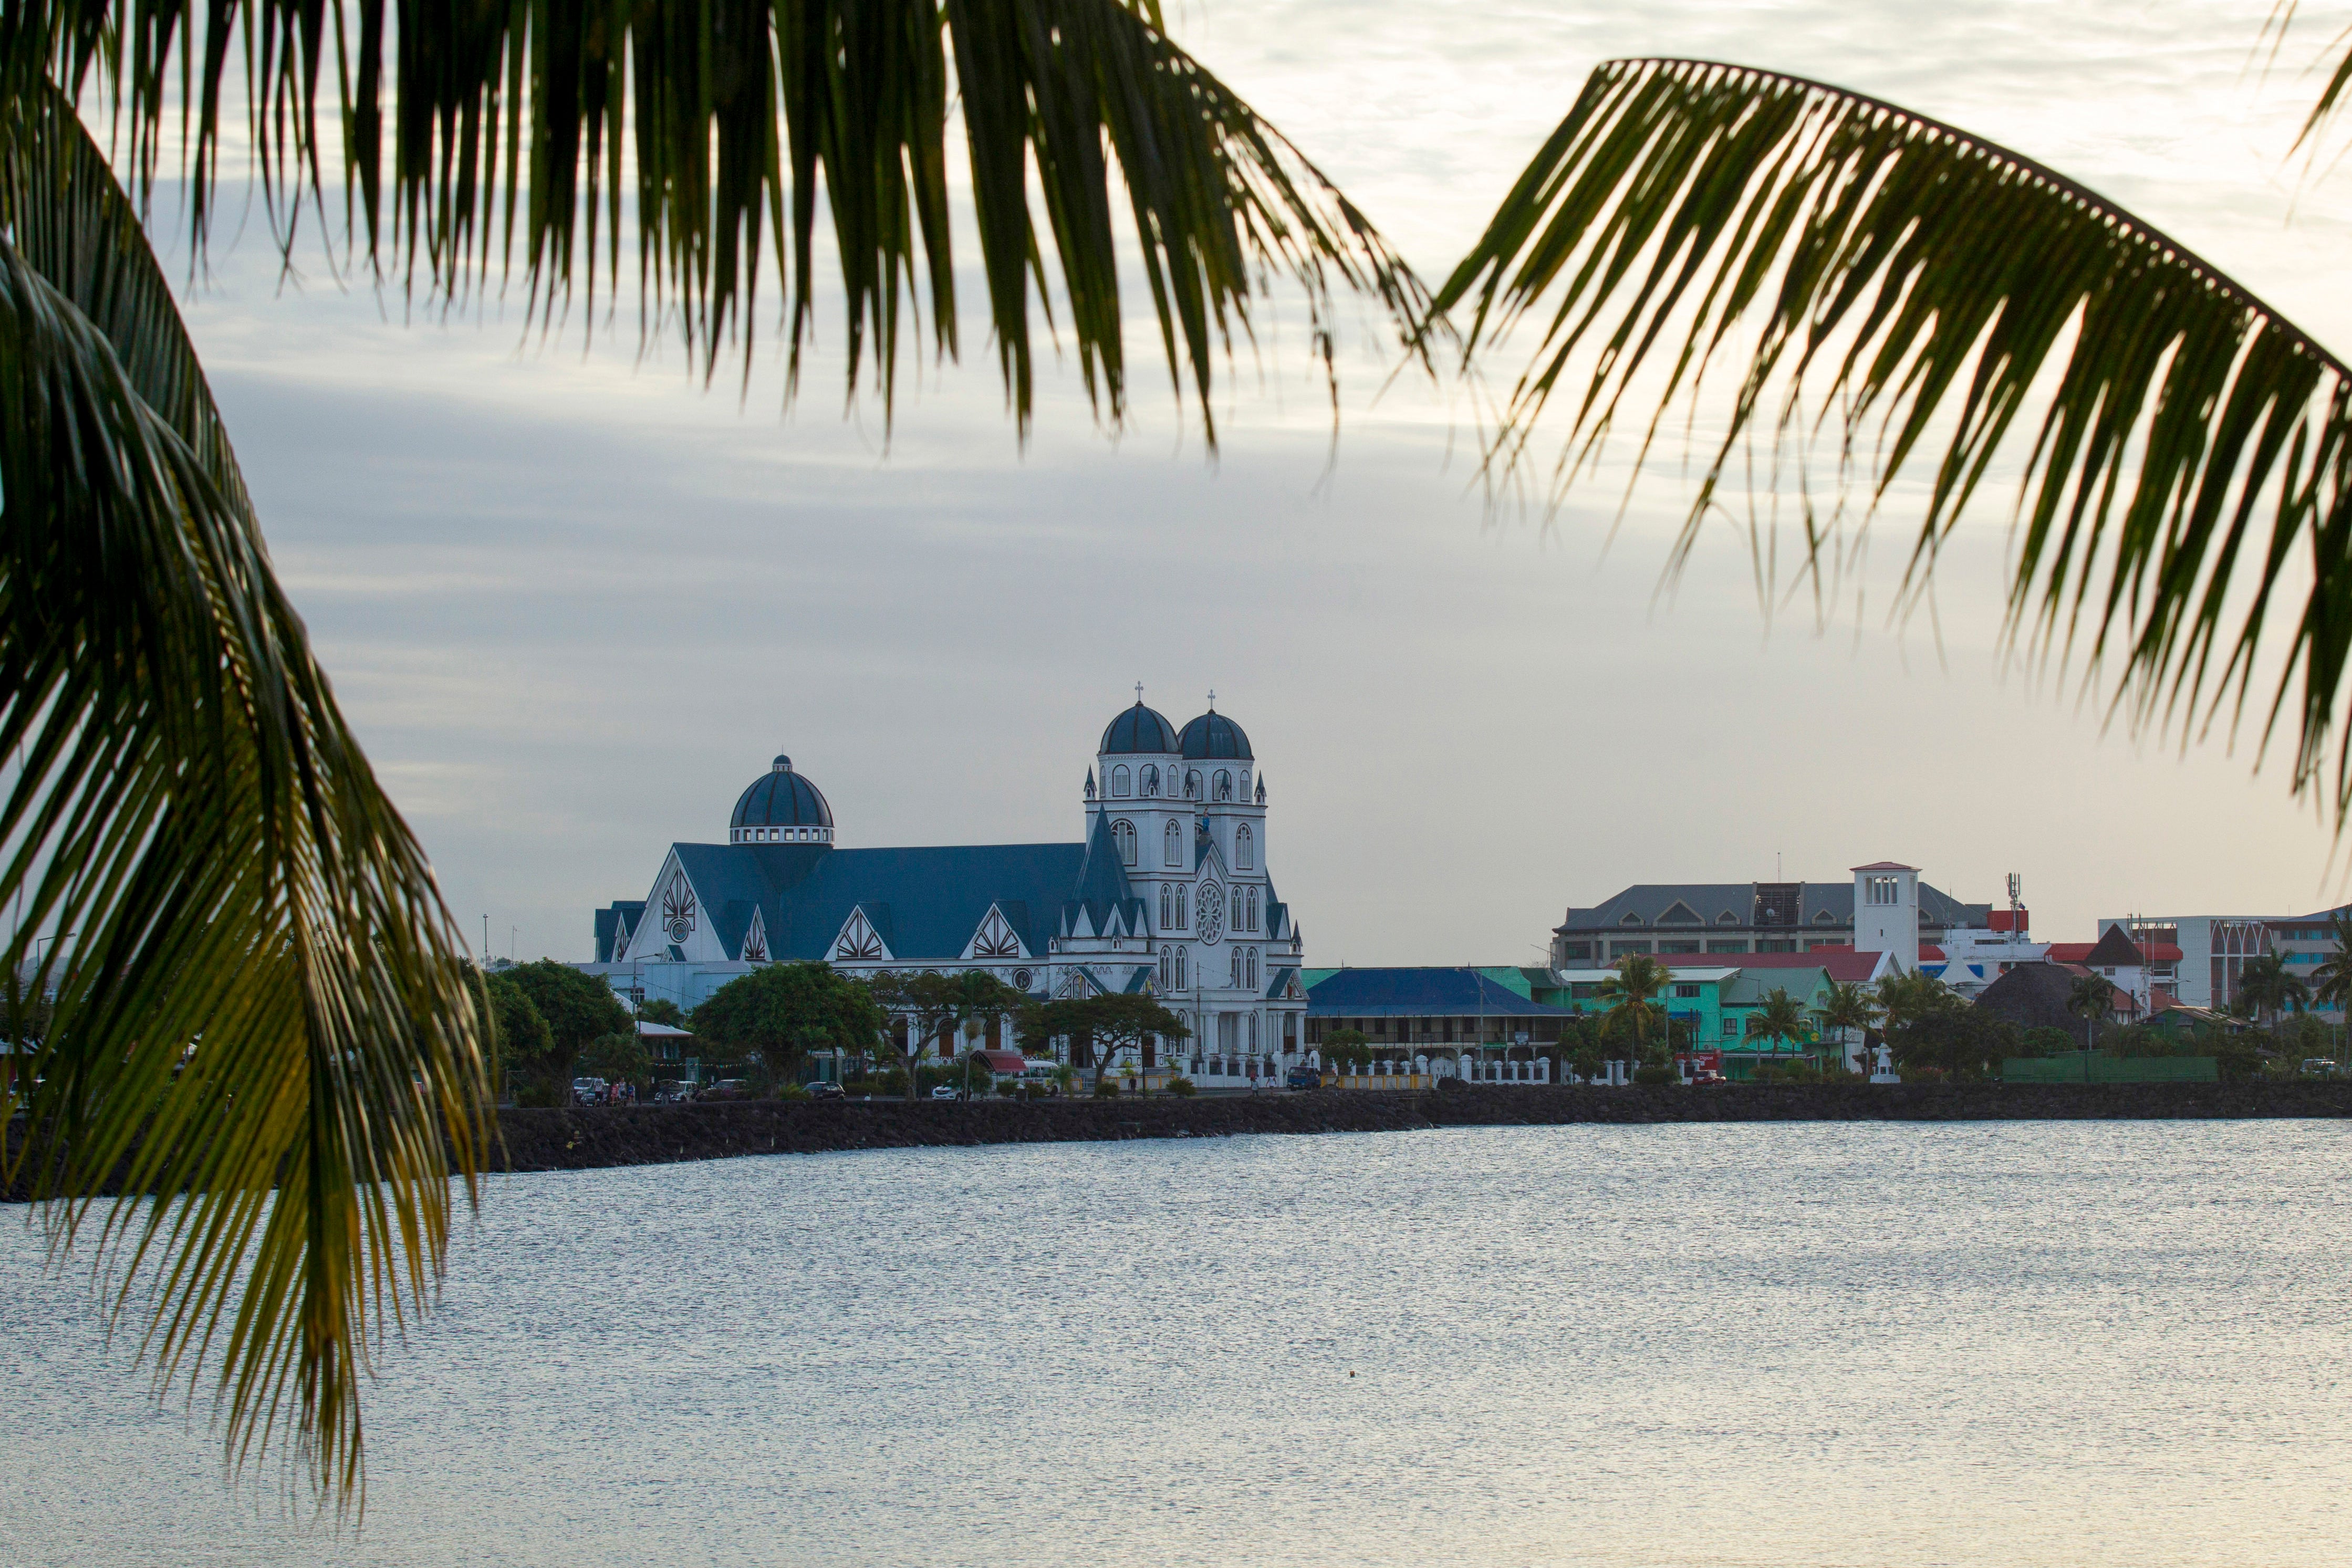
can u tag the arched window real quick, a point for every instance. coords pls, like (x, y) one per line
(1119, 780)
(1238, 915)
(1225, 785)
(1122, 833)
(1192, 783)
(1252, 1034)
(1252, 901)
(1150, 780)
(1183, 966)
(1167, 962)
(1233, 966)
(1244, 848)
(1175, 842)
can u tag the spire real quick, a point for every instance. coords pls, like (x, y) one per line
(1261, 788)
(1091, 783)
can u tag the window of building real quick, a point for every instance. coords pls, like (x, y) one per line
(1775, 944)
(1629, 920)
(1685, 990)
(1619, 950)
(1152, 780)
(1731, 1027)
(1119, 780)
(1576, 950)
(1174, 842)
(1244, 848)
(1224, 784)
(1677, 946)
(1583, 990)
(1880, 889)
(1727, 947)
(1183, 967)
(1122, 833)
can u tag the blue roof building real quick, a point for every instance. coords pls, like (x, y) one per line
(1165, 893)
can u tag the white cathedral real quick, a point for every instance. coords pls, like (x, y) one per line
(1166, 894)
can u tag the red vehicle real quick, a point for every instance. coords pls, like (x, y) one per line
(1700, 1066)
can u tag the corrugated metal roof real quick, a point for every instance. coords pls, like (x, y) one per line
(1419, 993)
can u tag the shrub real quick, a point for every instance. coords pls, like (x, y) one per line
(1656, 1074)
(545, 1097)
(1009, 1088)
(857, 1086)
(1923, 1075)
(791, 1091)
(1179, 1087)
(892, 1082)
(1106, 1088)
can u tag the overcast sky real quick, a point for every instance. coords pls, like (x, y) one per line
(574, 603)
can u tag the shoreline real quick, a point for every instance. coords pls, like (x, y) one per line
(599, 1137)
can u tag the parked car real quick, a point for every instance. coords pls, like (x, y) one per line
(1305, 1078)
(946, 1092)
(1708, 1075)
(585, 1089)
(825, 1089)
(675, 1094)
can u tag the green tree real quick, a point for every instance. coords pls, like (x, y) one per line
(521, 1032)
(578, 1008)
(936, 1009)
(1631, 992)
(2331, 982)
(1348, 1049)
(2266, 984)
(1850, 1008)
(2092, 998)
(619, 1058)
(1961, 1041)
(2044, 1040)
(664, 1011)
(1780, 1017)
(1847, 297)
(773, 1018)
(1101, 1027)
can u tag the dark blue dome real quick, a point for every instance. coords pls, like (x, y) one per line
(1139, 728)
(782, 799)
(1213, 735)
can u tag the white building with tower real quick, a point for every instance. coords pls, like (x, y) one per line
(1167, 893)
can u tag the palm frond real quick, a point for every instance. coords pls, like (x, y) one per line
(507, 127)
(1923, 300)
(262, 1040)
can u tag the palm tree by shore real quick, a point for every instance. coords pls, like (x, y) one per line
(1847, 1006)
(1780, 1017)
(1630, 992)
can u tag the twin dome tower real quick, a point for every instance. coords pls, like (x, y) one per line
(1165, 893)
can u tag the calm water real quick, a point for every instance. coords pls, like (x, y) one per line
(2044, 1344)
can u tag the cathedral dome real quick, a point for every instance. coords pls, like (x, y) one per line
(1138, 728)
(1213, 735)
(781, 799)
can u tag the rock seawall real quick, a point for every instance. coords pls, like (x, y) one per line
(591, 1138)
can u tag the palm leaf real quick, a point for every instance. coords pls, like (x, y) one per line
(508, 124)
(262, 1040)
(1923, 300)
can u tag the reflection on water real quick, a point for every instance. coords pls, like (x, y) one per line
(1989, 1344)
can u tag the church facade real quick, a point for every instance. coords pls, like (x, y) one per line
(1165, 893)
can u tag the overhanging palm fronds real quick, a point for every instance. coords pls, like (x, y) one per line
(1929, 300)
(508, 125)
(261, 1027)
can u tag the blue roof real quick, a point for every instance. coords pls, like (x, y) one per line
(925, 902)
(1213, 734)
(1139, 728)
(1420, 993)
(781, 797)
(613, 922)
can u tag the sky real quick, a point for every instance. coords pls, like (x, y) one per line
(574, 602)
